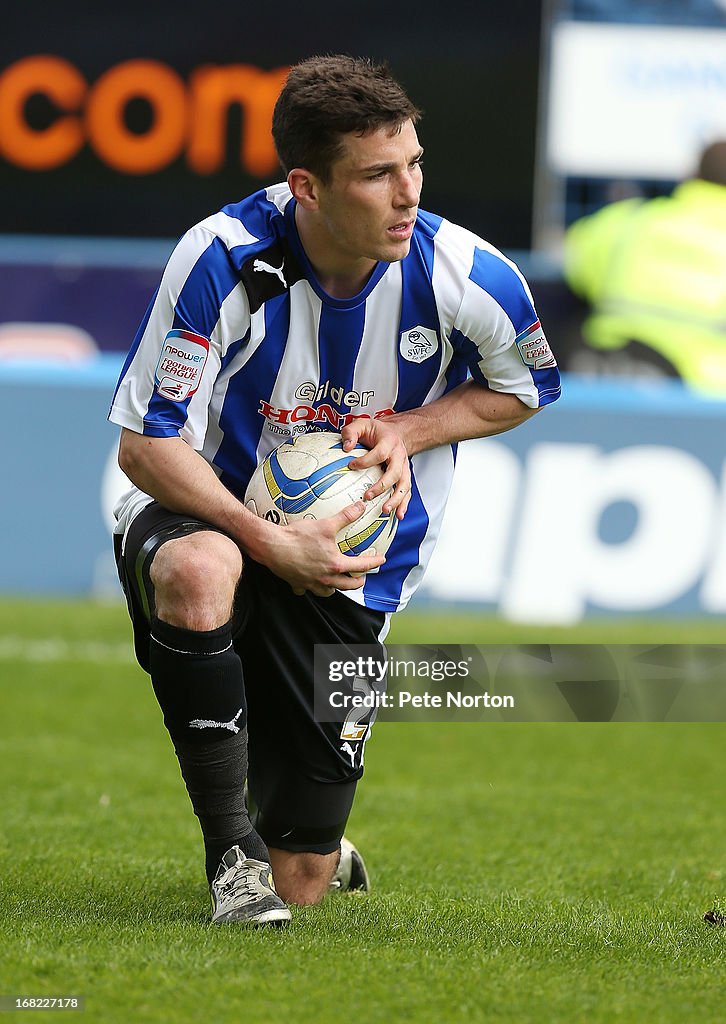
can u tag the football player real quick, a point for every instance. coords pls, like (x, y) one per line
(330, 301)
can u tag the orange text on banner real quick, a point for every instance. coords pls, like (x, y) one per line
(187, 118)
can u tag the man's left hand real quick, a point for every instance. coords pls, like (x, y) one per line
(387, 448)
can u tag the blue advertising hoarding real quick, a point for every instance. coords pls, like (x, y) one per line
(612, 501)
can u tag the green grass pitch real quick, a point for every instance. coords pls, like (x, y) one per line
(522, 872)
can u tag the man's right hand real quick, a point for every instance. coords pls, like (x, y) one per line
(306, 554)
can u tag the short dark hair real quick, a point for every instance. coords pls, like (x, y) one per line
(327, 97)
(713, 163)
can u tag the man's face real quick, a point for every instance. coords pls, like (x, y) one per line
(369, 205)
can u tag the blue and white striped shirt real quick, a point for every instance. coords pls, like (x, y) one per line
(241, 347)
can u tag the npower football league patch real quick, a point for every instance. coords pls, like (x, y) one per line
(534, 348)
(181, 365)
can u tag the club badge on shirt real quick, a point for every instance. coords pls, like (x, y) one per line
(181, 365)
(418, 344)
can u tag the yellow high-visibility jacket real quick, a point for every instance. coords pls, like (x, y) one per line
(655, 272)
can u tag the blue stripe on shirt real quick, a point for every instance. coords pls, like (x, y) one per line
(458, 369)
(240, 420)
(233, 349)
(418, 310)
(340, 334)
(209, 283)
(464, 348)
(382, 590)
(503, 283)
(256, 214)
(548, 384)
(137, 341)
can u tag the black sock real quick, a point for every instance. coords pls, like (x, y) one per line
(212, 772)
(197, 679)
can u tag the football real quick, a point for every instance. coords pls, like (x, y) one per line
(309, 478)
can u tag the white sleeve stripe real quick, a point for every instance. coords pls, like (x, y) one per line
(231, 230)
(136, 389)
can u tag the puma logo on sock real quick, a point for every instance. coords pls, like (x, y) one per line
(206, 723)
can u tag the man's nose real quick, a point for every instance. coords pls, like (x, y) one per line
(409, 189)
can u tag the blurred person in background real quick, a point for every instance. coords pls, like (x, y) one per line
(654, 274)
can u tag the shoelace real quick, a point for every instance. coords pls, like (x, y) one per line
(235, 882)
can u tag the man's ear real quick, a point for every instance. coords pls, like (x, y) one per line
(305, 187)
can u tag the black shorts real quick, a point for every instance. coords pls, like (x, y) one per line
(302, 775)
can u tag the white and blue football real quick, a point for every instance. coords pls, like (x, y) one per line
(309, 478)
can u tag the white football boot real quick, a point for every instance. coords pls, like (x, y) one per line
(243, 892)
(351, 874)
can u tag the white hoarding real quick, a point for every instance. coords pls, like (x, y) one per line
(634, 100)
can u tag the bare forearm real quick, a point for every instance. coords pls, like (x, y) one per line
(306, 553)
(181, 480)
(466, 412)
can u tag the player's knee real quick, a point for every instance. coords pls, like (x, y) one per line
(302, 878)
(195, 579)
